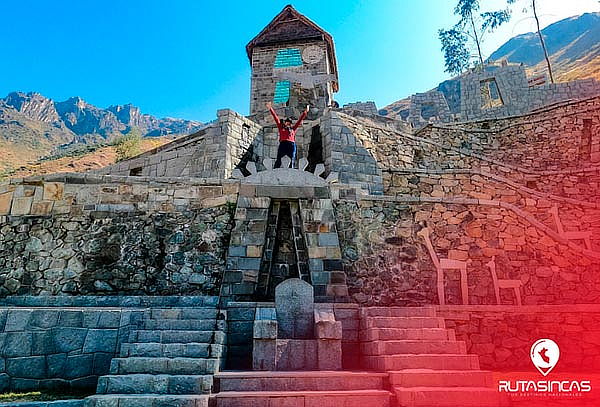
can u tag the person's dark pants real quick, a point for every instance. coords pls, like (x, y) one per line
(286, 148)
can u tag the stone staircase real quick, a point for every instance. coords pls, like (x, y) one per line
(302, 389)
(169, 361)
(427, 366)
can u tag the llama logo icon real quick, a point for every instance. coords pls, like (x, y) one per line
(544, 355)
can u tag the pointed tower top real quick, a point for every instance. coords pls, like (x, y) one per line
(290, 26)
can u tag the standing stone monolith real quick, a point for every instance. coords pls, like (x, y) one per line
(294, 302)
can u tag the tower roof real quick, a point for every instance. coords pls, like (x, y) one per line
(290, 26)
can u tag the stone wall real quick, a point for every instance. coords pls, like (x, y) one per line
(387, 262)
(368, 107)
(550, 93)
(502, 336)
(347, 152)
(513, 88)
(581, 185)
(574, 215)
(384, 262)
(541, 151)
(59, 348)
(173, 159)
(428, 107)
(516, 96)
(239, 133)
(127, 237)
(550, 139)
(509, 171)
(210, 153)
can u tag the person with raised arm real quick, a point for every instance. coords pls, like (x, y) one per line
(287, 135)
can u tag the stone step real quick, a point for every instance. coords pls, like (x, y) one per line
(397, 312)
(440, 378)
(300, 381)
(391, 334)
(177, 336)
(449, 397)
(147, 400)
(171, 350)
(174, 366)
(402, 322)
(185, 324)
(412, 347)
(154, 384)
(425, 361)
(356, 398)
(184, 313)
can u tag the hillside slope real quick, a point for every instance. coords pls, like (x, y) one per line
(573, 45)
(95, 159)
(33, 126)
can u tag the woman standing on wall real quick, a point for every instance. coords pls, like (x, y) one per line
(287, 135)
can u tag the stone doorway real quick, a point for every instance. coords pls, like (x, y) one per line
(315, 149)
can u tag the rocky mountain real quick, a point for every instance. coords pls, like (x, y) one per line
(32, 125)
(573, 45)
(33, 105)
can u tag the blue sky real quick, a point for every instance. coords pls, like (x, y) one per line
(186, 58)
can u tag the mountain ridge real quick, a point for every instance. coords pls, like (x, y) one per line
(572, 43)
(83, 118)
(573, 46)
(527, 49)
(33, 125)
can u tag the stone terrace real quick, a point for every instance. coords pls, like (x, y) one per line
(146, 277)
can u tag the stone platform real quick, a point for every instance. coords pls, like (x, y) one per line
(415, 361)
(170, 351)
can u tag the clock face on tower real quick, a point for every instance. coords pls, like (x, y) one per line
(312, 54)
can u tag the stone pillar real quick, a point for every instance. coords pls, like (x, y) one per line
(245, 249)
(329, 340)
(264, 340)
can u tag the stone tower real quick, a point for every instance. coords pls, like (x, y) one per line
(293, 64)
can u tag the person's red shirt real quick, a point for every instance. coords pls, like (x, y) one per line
(287, 133)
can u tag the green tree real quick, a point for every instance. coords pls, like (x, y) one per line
(454, 46)
(129, 145)
(472, 25)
